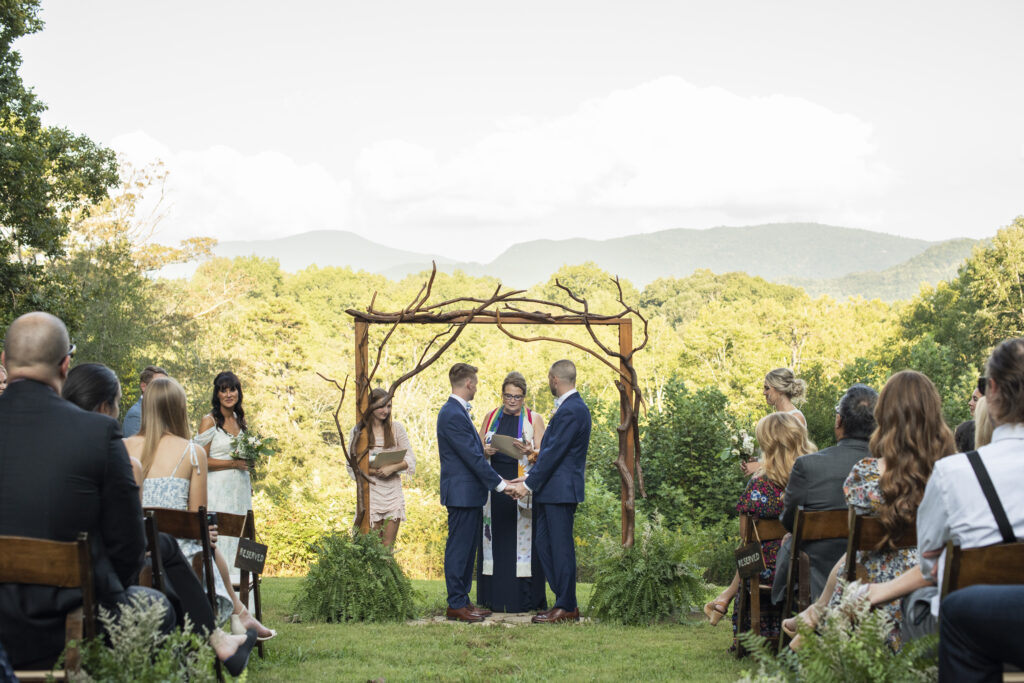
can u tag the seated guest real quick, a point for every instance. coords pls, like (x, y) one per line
(982, 628)
(964, 436)
(816, 483)
(911, 436)
(955, 506)
(782, 439)
(62, 471)
(983, 424)
(95, 388)
(133, 418)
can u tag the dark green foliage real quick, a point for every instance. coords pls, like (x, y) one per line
(45, 174)
(851, 647)
(713, 547)
(137, 653)
(685, 477)
(598, 521)
(354, 578)
(653, 581)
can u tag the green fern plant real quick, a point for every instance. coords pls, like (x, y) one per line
(139, 653)
(653, 581)
(354, 578)
(850, 645)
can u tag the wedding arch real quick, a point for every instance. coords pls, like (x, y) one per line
(501, 309)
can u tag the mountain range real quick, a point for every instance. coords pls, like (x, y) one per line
(823, 259)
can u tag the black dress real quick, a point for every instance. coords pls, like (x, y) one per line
(503, 591)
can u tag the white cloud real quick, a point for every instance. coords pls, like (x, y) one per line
(663, 154)
(223, 193)
(665, 145)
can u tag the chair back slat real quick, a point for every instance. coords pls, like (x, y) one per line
(999, 564)
(230, 524)
(866, 532)
(40, 561)
(179, 523)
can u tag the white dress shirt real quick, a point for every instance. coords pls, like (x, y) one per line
(954, 506)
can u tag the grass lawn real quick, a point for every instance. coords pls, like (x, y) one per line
(469, 652)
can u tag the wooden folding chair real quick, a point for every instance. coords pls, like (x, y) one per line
(190, 525)
(809, 525)
(243, 526)
(152, 575)
(755, 529)
(1001, 564)
(65, 564)
(866, 532)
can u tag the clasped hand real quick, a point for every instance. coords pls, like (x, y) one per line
(516, 489)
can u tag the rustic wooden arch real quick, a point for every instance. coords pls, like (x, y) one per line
(501, 309)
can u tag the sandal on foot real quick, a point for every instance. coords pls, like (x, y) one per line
(715, 610)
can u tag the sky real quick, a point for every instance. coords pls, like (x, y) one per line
(461, 127)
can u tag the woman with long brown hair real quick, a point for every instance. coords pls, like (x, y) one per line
(911, 435)
(782, 438)
(387, 502)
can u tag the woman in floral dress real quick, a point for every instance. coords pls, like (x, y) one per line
(910, 437)
(783, 439)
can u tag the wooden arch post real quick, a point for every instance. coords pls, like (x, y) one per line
(627, 435)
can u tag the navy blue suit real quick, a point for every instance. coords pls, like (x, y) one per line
(466, 477)
(557, 482)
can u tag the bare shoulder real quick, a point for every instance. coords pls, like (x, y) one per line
(206, 422)
(133, 444)
(538, 419)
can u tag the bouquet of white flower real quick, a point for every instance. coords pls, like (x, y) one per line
(253, 447)
(742, 445)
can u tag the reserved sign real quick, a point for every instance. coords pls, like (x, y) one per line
(749, 562)
(251, 556)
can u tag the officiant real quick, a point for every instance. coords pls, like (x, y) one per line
(387, 437)
(509, 575)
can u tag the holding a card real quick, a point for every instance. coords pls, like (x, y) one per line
(390, 455)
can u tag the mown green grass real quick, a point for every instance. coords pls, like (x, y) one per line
(465, 652)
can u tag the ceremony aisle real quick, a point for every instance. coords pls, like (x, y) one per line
(460, 652)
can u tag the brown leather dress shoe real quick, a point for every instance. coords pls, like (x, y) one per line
(556, 615)
(482, 611)
(463, 614)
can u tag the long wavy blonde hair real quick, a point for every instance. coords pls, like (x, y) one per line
(911, 435)
(164, 411)
(783, 439)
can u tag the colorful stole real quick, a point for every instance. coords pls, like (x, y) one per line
(524, 511)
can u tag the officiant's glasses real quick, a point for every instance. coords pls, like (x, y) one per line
(513, 397)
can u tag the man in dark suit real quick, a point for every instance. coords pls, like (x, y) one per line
(556, 482)
(816, 483)
(62, 471)
(466, 477)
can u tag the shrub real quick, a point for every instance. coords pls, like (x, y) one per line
(139, 653)
(354, 578)
(650, 582)
(851, 647)
(713, 549)
(598, 521)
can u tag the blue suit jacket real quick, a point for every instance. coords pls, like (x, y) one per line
(559, 473)
(466, 476)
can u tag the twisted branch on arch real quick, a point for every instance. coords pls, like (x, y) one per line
(498, 309)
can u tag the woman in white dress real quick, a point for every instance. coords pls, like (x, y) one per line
(387, 502)
(175, 471)
(229, 488)
(782, 390)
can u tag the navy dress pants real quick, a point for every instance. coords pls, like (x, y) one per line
(553, 523)
(980, 628)
(460, 553)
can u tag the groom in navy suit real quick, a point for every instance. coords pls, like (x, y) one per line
(556, 482)
(466, 477)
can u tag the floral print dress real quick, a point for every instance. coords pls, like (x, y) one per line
(763, 499)
(863, 493)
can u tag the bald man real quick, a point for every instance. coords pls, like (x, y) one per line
(62, 471)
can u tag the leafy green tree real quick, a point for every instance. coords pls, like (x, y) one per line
(46, 173)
